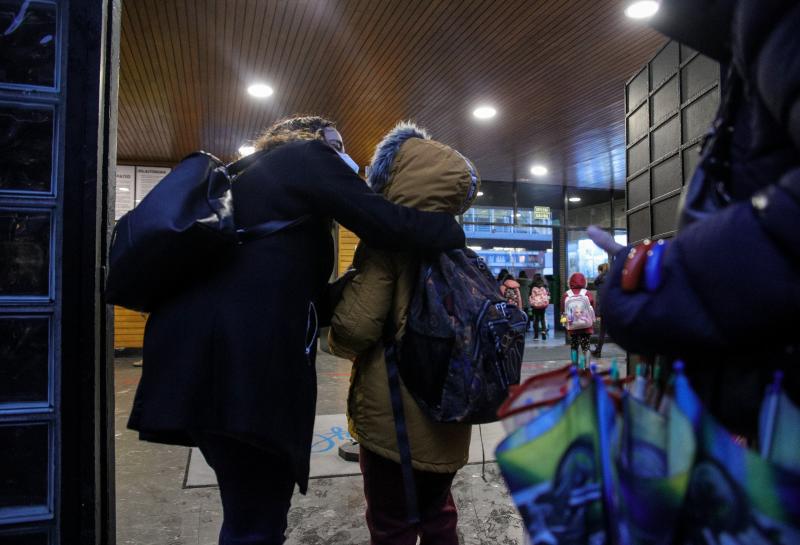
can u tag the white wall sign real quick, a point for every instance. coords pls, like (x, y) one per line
(126, 177)
(147, 178)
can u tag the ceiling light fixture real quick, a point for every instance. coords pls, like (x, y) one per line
(260, 90)
(484, 112)
(480, 193)
(642, 9)
(246, 150)
(574, 199)
(539, 170)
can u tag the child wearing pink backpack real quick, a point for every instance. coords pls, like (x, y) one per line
(577, 309)
(539, 301)
(509, 288)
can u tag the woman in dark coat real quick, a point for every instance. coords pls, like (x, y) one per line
(229, 361)
(732, 339)
(600, 279)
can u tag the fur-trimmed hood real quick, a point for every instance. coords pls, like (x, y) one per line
(412, 169)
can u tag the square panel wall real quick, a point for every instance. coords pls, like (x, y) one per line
(670, 104)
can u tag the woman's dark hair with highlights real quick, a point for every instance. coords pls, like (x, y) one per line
(291, 129)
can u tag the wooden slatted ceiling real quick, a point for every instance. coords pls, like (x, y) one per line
(554, 69)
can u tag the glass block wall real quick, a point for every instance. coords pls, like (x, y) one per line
(31, 107)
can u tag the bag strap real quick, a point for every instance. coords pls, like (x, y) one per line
(237, 167)
(403, 446)
(268, 228)
(583, 291)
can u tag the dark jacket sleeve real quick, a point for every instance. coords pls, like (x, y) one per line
(777, 60)
(336, 191)
(701, 306)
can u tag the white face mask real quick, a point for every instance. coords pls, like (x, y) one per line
(349, 161)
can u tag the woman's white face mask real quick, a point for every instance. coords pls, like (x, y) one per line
(334, 140)
(349, 161)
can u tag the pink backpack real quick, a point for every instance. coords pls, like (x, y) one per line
(539, 298)
(512, 295)
(579, 311)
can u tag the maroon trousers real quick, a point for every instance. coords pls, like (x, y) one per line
(386, 504)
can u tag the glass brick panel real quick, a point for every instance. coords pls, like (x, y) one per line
(24, 253)
(26, 138)
(24, 343)
(28, 43)
(24, 465)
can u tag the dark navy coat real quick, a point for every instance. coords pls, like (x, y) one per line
(234, 351)
(730, 299)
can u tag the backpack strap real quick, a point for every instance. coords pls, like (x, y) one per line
(583, 291)
(237, 167)
(403, 446)
(268, 228)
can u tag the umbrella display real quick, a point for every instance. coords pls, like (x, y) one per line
(589, 460)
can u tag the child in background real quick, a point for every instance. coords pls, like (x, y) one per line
(525, 284)
(539, 301)
(577, 307)
(509, 288)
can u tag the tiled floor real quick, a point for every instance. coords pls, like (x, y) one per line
(153, 507)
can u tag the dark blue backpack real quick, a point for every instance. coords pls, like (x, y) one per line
(463, 342)
(461, 351)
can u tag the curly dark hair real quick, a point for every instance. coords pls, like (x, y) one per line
(290, 129)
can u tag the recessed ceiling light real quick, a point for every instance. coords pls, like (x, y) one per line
(642, 9)
(574, 199)
(260, 90)
(246, 150)
(480, 193)
(539, 170)
(484, 112)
